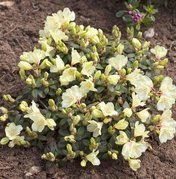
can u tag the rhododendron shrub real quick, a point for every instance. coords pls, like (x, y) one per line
(89, 95)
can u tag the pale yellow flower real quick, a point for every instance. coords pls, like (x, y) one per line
(58, 65)
(136, 101)
(87, 86)
(165, 102)
(49, 50)
(68, 76)
(168, 95)
(53, 23)
(113, 79)
(121, 125)
(118, 62)
(33, 57)
(88, 68)
(71, 96)
(59, 36)
(108, 109)
(133, 149)
(134, 164)
(168, 127)
(76, 58)
(95, 127)
(143, 87)
(39, 121)
(143, 115)
(92, 157)
(12, 130)
(133, 76)
(159, 51)
(128, 112)
(168, 88)
(92, 34)
(122, 138)
(139, 130)
(143, 84)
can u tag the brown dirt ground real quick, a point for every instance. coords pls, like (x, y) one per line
(19, 26)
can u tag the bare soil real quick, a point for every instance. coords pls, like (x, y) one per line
(19, 26)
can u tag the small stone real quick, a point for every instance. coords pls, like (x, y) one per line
(33, 170)
(7, 3)
(148, 34)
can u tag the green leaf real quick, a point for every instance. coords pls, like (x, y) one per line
(127, 18)
(120, 13)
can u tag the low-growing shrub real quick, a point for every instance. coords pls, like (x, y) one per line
(89, 95)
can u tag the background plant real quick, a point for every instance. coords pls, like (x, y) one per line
(137, 14)
(90, 96)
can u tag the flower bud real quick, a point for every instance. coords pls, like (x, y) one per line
(46, 75)
(4, 117)
(31, 81)
(22, 74)
(156, 118)
(25, 66)
(59, 91)
(83, 163)
(114, 156)
(24, 106)
(159, 67)
(8, 98)
(107, 120)
(139, 35)
(135, 64)
(31, 133)
(97, 75)
(46, 63)
(111, 130)
(48, 156)
(120, 48)
(109, 153)
(116, 32)
(93, 144)
(4, 110)
(87, 118)
(130, 33)
(158, 79)
(52, 105)
(70, 138)
(4, 141)
(108, 69)
(146, 45)
(103, 77)
(44, 82)
(123, 72)
(163, 62)
(96, 113)
(136, 43)
(129, 70)
(76, 120)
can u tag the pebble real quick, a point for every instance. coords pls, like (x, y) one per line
(33, 170)
(148, 34)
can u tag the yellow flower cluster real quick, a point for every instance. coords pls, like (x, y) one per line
(90, 96)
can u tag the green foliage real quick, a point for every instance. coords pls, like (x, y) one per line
(90, 96)
(133, 17)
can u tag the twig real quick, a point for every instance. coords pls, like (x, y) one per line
(9, 32)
